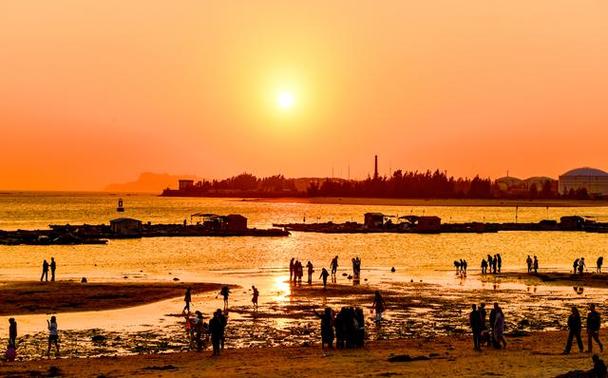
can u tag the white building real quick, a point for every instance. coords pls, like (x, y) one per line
(592, 179)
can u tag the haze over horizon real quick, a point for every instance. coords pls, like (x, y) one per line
(94, 93)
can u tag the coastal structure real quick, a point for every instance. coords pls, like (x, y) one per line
(593, 180)
(516, 186)
(125, 226)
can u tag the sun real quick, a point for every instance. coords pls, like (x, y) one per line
(285, 100)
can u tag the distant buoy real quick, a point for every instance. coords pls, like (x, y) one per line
(393, 269)
(120, 208)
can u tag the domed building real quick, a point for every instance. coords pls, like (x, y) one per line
(595, 181)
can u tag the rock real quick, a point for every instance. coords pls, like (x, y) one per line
(98, 338)
(393, 270)
(175, 279)
(84, 280)
(344, 274)
(407, 358)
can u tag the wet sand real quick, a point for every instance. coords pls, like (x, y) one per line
(436, 202)
(537, 355)
(555, 278)
(33, 297)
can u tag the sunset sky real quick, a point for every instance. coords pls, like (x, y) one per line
(95, 92)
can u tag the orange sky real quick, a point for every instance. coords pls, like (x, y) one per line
(94, 92)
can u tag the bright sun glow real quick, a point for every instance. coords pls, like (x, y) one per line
(285, 100)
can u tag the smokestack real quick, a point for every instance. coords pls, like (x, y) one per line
(375, 167)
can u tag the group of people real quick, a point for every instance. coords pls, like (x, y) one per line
(46, 266)
(493, 264)
(575, 327)
(461, 266)
(199, 331)
(482, 334)
(532, 264)
(53, 338)
(579, 265)
(296, 271)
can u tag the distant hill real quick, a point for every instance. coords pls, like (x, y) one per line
(148, 182)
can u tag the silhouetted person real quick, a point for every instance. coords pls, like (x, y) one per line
(600, 262)
(379, 306)
(575, 266)
(484, 266)
(327, 328)
(492, 322)
(53, 335)
(494, 264)
(216, 329)
(464, 266)
(310, 270)
(499, 327)
(45, 271)
(225, 293)
(599, 367)
(475, 322)
(12, 332)
(483, 315)
(334, 266)
(529, 263)
(499, 263)
(593, 328)
(574, 330)
(53, 266)
(535, 264)
(254, 298)
(199, 329)
(291, 266)
(490, 262)
(581, 265)
(324, 275)
(457, 266)
(187, 300)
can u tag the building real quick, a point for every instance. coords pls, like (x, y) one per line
(125, 226)
(594, 180)
(373, 220)
(234, 223)
(428, 224)
(185, 184)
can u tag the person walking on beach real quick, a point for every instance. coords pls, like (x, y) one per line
(334, 267)
(593, 328)
(457, 266)
(574, 330)
(529, 263)
(327, 328)
(499, 261)
(53, 266)
(575, 265)
(475, 322)
(535, 264)
(53, 336)
(310, 270)
(324, 275)
(379, 306)
(499, 327)
(291, 267)
(188, 300)
(581, 265)
(494, 264)
(12, 332)
(225, 293)
(484, 266)
(254, 298)
(45, 271)
(464, 266)
(216, 329)
(492, 322)
(600, 262)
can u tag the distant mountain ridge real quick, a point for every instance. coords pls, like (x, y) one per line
(148, 182)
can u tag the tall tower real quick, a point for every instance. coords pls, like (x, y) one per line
(375, 167)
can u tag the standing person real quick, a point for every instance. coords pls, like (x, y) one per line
(599, 367)
(199, 329)
(494, 264)
(499, 258)
(327, 328)
(53, 336)
(475, 322)
(499, 327)
(216, 328)
(379, 306)
(324, 275)
(484, 266)
(529, 263)
(483, 315)
(254, 298)
(53, 266)
(581, 265)
(574, 330)
(334, 266)
(188, 300)
(291, 266)
(492, 319)
(535, 264)
(600, 262)
(464, 266)
(490, 262)
(225, 293)
(300, 272)
(310, 270)
(45, 271)
(12, 332)
(575, 266)
(593, 328)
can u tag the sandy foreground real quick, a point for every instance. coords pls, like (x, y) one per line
(437, 202)
(33, 297)
(538, 355)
